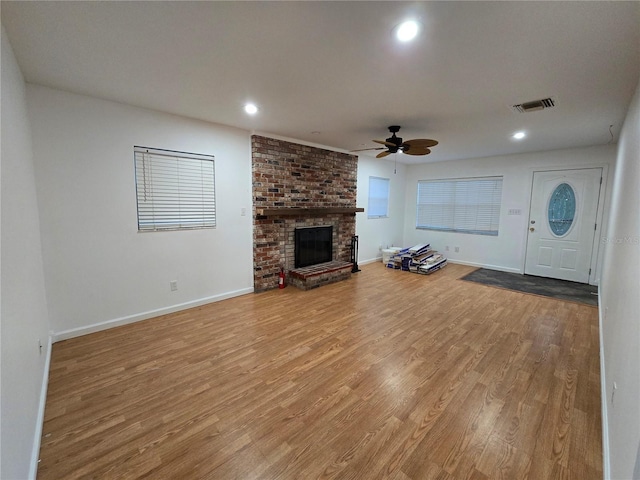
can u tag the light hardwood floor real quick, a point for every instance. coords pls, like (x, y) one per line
(387, 375)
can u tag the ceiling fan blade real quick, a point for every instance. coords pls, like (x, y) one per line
(365, 149)
(384, 142)
(421, 142)
(383, 154)
(416, 151)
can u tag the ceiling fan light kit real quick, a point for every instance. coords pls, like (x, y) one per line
(394, 144)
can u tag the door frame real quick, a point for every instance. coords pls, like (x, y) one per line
(596, 251)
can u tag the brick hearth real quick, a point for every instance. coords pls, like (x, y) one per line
(306, 278)
(289, 175)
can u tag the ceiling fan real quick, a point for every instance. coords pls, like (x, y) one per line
(393, 144)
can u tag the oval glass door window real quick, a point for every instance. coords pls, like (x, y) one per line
(562, 209)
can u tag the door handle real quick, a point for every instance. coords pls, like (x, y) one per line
(532, 229)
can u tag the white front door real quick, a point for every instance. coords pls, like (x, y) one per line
(562, 223)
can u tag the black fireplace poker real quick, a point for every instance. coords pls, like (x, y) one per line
(354, 254)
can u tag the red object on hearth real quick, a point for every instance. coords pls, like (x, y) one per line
(281, 279)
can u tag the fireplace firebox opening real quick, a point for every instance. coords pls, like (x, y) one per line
(313, 245)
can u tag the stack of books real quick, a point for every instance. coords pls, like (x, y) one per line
(432, 264)
(418, 259)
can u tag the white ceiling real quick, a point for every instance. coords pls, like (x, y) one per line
(335, 67)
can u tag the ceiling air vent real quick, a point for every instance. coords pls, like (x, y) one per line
(534, 105)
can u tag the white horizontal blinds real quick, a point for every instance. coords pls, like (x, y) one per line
(378, 197)
(175, 190)
(469, 205)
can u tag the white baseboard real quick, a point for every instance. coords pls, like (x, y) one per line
(35, 452)
(370, 260)
(606, 459)
(482, 265)
(116, 322)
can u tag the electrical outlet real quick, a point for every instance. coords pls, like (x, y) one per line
(243, 212)
(174, 285)
(457, 249)
(446, 249)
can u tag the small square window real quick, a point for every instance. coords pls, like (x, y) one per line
(175, 190)
(378, 197)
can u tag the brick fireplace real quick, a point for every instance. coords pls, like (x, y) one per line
(298, 186)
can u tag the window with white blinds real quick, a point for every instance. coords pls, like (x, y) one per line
(175, 190)
(378, 197)
(467, 205)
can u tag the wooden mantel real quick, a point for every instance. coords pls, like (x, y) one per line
(267, 212)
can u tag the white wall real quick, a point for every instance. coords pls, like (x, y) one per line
(24, 311)
(99, 270)
(620, 306)
(505, 251)
(375, 232)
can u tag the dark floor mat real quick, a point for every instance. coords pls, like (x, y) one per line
(548, 287)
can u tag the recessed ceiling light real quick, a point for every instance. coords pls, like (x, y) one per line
(519, 135)
(407, 30)
(251, 109)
